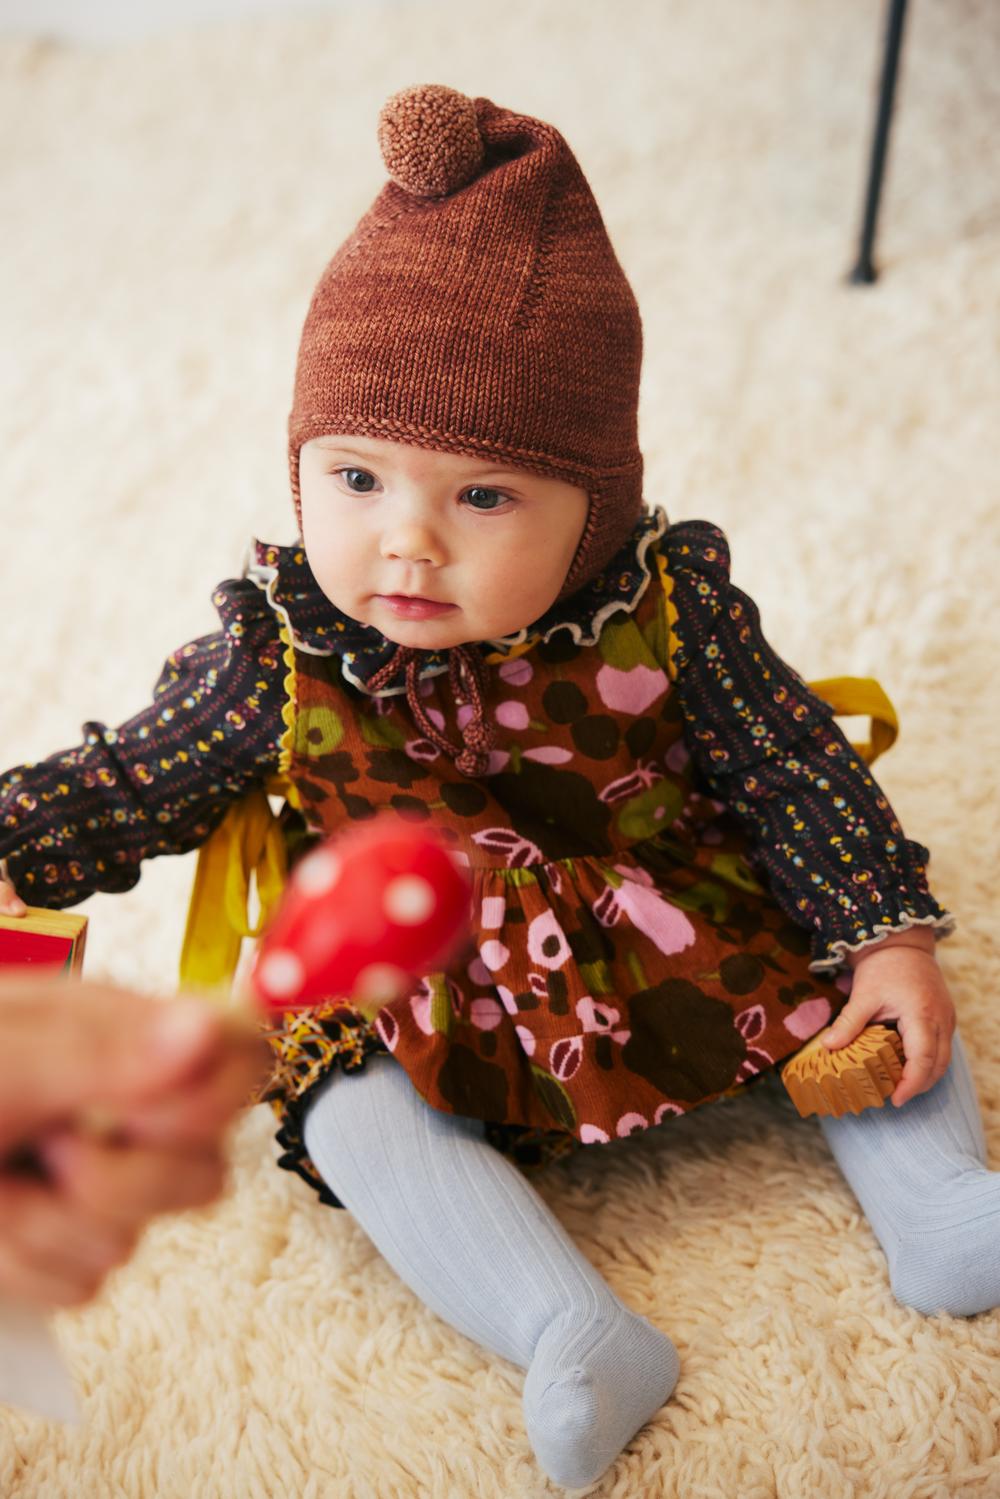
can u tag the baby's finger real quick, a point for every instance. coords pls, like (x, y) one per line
(11, 903)
(849, 1023)
(922, 1046)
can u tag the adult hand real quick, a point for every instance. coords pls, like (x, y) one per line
(898, 978)
(171, 1074)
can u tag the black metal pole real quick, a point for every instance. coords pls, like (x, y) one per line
(864, 271)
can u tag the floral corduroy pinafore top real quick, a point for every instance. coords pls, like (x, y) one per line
(673, 846)
(628, 963)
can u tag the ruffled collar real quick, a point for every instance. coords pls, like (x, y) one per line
(316, 626)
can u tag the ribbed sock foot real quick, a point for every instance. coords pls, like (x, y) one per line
(919, 1172)
(593, 1382)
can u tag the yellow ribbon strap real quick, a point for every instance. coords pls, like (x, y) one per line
(248, 841)
(862, 695)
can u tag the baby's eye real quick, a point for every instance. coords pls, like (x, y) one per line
(484, 499)
(363, 473)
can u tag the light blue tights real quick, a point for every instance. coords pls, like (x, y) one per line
(476, 1242)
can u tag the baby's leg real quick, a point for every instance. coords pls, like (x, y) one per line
(920, 1174)
(464, 1229)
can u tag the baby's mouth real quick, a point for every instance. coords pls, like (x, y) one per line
(410, 606)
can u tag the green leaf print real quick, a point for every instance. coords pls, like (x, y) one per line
(622, 646)
(653, 809)
(734, 869)
(554, 1097)
(597, 977)
(706, 896)
(442, 1014)
(319, 730)
(381, 733)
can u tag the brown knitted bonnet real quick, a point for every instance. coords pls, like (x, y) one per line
(478, 308)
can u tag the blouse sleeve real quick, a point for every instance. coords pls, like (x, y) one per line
(84, 818)
(820, 829)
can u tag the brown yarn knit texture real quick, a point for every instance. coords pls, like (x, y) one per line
(479, 308)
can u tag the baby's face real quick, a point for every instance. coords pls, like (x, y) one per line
(387, 525)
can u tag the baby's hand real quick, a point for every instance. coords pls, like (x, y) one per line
(11, 903)
(898, 979)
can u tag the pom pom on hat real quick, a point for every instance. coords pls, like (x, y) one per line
(430, 139)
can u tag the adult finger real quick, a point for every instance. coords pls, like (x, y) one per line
(23, 1281)
(198, 1112)
(54, 1237)
(124, 1185)
(64, 1044)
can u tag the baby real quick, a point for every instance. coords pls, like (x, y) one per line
(681, 867)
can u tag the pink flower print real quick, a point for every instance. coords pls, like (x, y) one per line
(527, 1040)
(512, 714)
(631, 691)
(677, 756)
(494, 954)
(388, 1028)
(808, 1018)
(498, 759)
(549, 754)
(590, 1134)
(755, 1061)
(547, 941)
(538, 984)
(635, 873)
(518, 673)
(606, 907)
(637, 781)
(598, 1017)
(463, 715)
(425, 686)
(750, 1023)
(485, 1014)
(517, 851)
(420, 1008)
(655, 917)
(631, 1124)
(494, 909)
(480, 974)
(507, 999)
(436, 717)
(422, 750)
(665, 1110)
(595, 1017)
(565, 1057)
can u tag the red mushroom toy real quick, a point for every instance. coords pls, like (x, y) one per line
(363, 914)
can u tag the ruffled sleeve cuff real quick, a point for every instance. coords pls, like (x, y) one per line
(897, 906)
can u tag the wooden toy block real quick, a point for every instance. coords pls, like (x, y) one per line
(848, 1080)
(45, 938)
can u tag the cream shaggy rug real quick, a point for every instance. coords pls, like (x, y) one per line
(166, 209)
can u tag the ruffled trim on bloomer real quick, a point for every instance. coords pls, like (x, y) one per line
(836, 958)
(310, 1049)
(315, 626)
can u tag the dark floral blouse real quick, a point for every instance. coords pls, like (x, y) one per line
(818, 827)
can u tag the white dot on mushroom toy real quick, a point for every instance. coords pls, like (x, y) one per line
(281, 973)
(318, 874)
(380, 982)
(408, 899)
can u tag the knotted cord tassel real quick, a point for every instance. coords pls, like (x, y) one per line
(467, 679)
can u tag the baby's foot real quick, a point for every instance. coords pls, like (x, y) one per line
(591, 1385)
